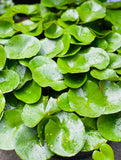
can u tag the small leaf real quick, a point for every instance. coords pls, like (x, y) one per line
(22, 46)
(114, 61)
(2, 102)
(27, 93)
(70, 15)
(66, 136)
(2, 57)
(9, 80)
(91, 10)
(100, 43)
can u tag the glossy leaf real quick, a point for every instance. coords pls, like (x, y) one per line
(2, 57)
(100, 43)
(70, 15)
(22, 46)
(66, 136)
(106, 152)
(9, 124)
(28, 145)
(85, 101)
(29, 93)
(2, 102)
(82, 34)
(50, 47)
(91, 10)
(32, 114)
(9, 80)
(115, 61)
(111, 92)
(109, 126)
(75, 80)
(82, 61)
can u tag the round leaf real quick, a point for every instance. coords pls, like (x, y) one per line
(66, 136)
(115, 60)
(2, 57)
(9, 80)
(70, 15)
(22, 46)
(29, 93)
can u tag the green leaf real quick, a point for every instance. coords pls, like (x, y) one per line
(6, 29)
(113, 16)
(29, 93)
(9, 124)
(11, 101)
(2, 57)
(116, 29)
(91, 10)
(87, 101)
(28, 145)
(106, 153)
(50, 47)
(2, 102)
(82, 34)
(54, 31)
(82, 61)
(70, 15)
(63, 102)
(107, 74)
(66, 136)
(109, 126)
(114, 61)
(113, 40)
(9, 80)
(100, 43)
(22, 46)
(33, 113)
(111, 92)
(45, 73)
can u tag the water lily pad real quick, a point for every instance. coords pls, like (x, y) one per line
(2, 102)
(70, 15)
(111, 92)
(32, 114)
(54, 31)
(85, 101)
(75, 80)
(50, 47)
(107, 74)
(29, 93)
(22, 46)
(66, 136)
(91, 10)
(9, 80)
(115, 61)
(6, 29)
(2, 57)
(9, 124)
(109, 126)
(82, 34)
(28, 137)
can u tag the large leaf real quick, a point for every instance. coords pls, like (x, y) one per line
(87, 101)
(91, 10)
(109, 126)
(111, 92)
(2, 102)
(82, 61)
(29, 93)
(28, 145)
(2, 57)
(22, 46)
(32, 114)
(9, 80)
(45, 73)
(66, 135)
(9, 124)
(82, 34)
(70, 15)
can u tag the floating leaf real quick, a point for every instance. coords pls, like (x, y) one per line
(91, 10)
(9, 80)
(87, 101)
(2, 57)
(2, 102)
(50, 47)
(66, 136)
(70, 15)
(22, 46)
(28, 145)
(29, 93)
(82, 34)
(9, 124)
(109, 126)
(32, 114)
